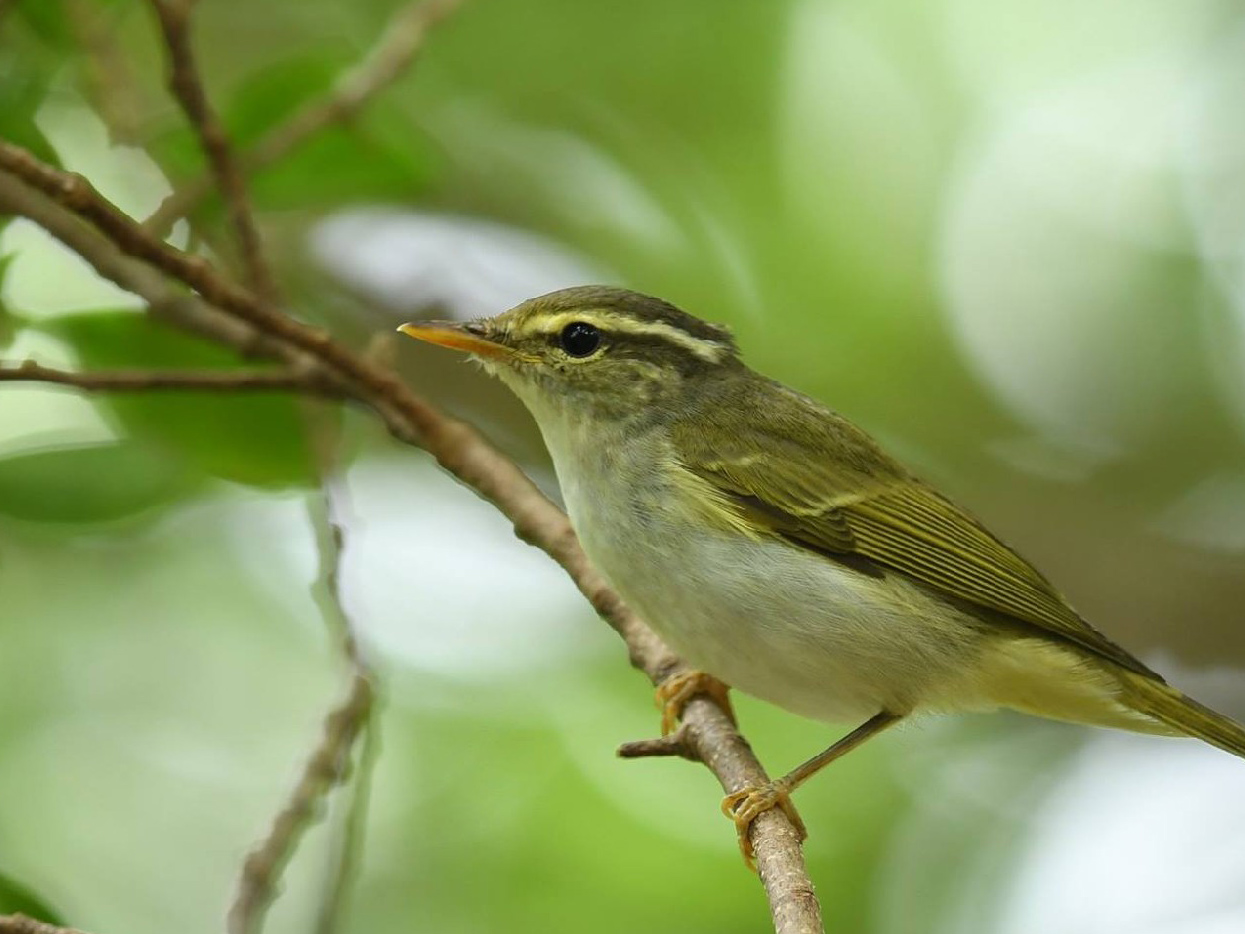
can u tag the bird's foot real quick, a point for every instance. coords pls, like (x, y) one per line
(673, 694)
(745, 805)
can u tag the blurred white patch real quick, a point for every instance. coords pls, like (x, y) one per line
(1063, 253)
(1142, 836)
(1213, 184)
(125, 175)
(432, 576)
(472, 268)
(46, 278)
(1005, 52)
(38, 416)
(1018, 832)
(1041, 456)
(1210, 515)
(438, 580)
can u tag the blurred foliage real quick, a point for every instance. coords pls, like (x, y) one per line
(16, 898)
(993, 234)
(254, 438)
(95, 483)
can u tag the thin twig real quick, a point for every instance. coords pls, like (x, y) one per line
(166, 300)
(456, 446)
(324, 770)
(346, 851)
(673, 744)
(195, 380)
(327, 767)
(187, 86)
(393, 53)
(21, 924)
(330, 542)
(106, 69)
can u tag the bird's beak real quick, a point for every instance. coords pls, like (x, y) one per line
(455, 336)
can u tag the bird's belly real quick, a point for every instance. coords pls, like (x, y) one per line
(785, 624)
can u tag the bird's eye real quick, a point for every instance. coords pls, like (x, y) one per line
(580, 339)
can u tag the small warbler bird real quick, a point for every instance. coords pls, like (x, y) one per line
(780, 551)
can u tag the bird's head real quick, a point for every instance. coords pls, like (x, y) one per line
(600, 350)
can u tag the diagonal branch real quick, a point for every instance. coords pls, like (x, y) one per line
(347, 848)
(144, 380)
(709, 733)
(21, 924)
(325, 769)
(326, 520)
(393, 54)
(346, 727)
(187, 86)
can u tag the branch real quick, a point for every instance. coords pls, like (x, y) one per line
(672, 744)
(347, 845)
(21, 924)
(395, 51)
(165, 300)
(328, 765)
(324, 770)
(187, 86)
(464, 453)
(347, 848)
(145, 380)
(107, 70)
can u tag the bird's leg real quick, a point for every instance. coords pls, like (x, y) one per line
(744, 805)
(673, 694)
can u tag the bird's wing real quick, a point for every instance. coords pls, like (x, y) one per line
(821, 483)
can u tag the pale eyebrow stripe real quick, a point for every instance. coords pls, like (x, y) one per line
(709, 350)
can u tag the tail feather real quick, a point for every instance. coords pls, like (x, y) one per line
(1169, 706)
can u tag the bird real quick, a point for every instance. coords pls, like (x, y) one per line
(780, 551)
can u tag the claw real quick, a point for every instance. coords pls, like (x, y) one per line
(745, 805)
(674, 693)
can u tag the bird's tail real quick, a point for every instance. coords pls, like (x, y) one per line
(1164, 703)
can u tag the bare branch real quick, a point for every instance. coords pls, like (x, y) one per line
(468, 456)
(187, 86)
(20, 924)
(324, 770)
(261, 873)
(672, 744)
(106, 70)
(393, 54)
(230, 381)
(165, 299)
(330, 541)
(347, 848)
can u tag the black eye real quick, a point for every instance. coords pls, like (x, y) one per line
(580, 339)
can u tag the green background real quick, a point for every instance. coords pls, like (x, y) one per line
(1006, 238)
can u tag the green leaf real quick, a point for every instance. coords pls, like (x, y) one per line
(343, 162)
(379, 155)
(256, 438)
(47, 19)
(95, 483)
(24, 76)
(274, 93)
(339, 165)
(16, 898)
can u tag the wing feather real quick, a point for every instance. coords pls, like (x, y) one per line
(821, 483)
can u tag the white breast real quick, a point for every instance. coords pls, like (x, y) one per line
(779, 622)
